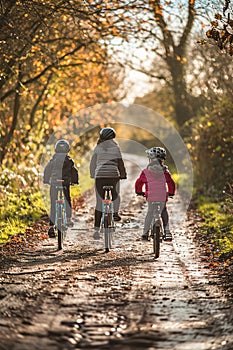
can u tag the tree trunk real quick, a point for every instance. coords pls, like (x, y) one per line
(4, 141)
(175, 58)
(182, 105)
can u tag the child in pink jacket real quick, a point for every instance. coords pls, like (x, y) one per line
(158, 184)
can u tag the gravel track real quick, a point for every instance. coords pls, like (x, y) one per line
(83, 298)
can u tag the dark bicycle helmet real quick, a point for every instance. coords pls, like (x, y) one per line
(107, 134)
(156, 152)
(62, 146)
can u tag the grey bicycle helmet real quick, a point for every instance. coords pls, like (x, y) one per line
(62, 146)
(156, 152)
(107, 134)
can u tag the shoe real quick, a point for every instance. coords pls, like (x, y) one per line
(96, 234)
(51, 232)
(70, 223)
(167, 236)
(116, 217)
(144, 237)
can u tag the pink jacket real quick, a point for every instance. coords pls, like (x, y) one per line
(158, 183)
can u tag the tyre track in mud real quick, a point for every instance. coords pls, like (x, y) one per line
(82, 298)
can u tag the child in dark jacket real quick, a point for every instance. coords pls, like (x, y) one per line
(60, 167)
(158, 186)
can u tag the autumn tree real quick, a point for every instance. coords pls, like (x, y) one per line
(59, 60)
(221, 32)
(52, 63)
(179, 47)
(210, 75)
(175, 57)
(163, 31)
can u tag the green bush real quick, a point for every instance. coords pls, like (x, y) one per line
(211, 148)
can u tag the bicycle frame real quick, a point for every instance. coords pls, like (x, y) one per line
(60, 214)
(107, 221)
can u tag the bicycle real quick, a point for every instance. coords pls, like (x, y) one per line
(156, 228)
(60, 214)
(107, 220)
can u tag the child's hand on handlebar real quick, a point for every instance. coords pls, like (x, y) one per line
(141, 194)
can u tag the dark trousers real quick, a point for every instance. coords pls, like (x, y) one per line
(165, 217)
(53, 198)
(99, 191)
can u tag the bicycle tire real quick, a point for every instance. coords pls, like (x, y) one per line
(156, 240)
(60, 228)
(59, 234)
(107, 232)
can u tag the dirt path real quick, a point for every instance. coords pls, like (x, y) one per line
(82, 298)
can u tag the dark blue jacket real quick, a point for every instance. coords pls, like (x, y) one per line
(61, 167)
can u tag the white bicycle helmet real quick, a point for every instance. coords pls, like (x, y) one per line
(156, 152)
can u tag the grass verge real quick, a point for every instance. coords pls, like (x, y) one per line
(217, 225)
(19, 212)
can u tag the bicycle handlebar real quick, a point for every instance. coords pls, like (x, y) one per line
(142, 194)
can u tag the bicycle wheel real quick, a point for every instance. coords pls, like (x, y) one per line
(107, 232)
(60, 229)
(156, 240)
